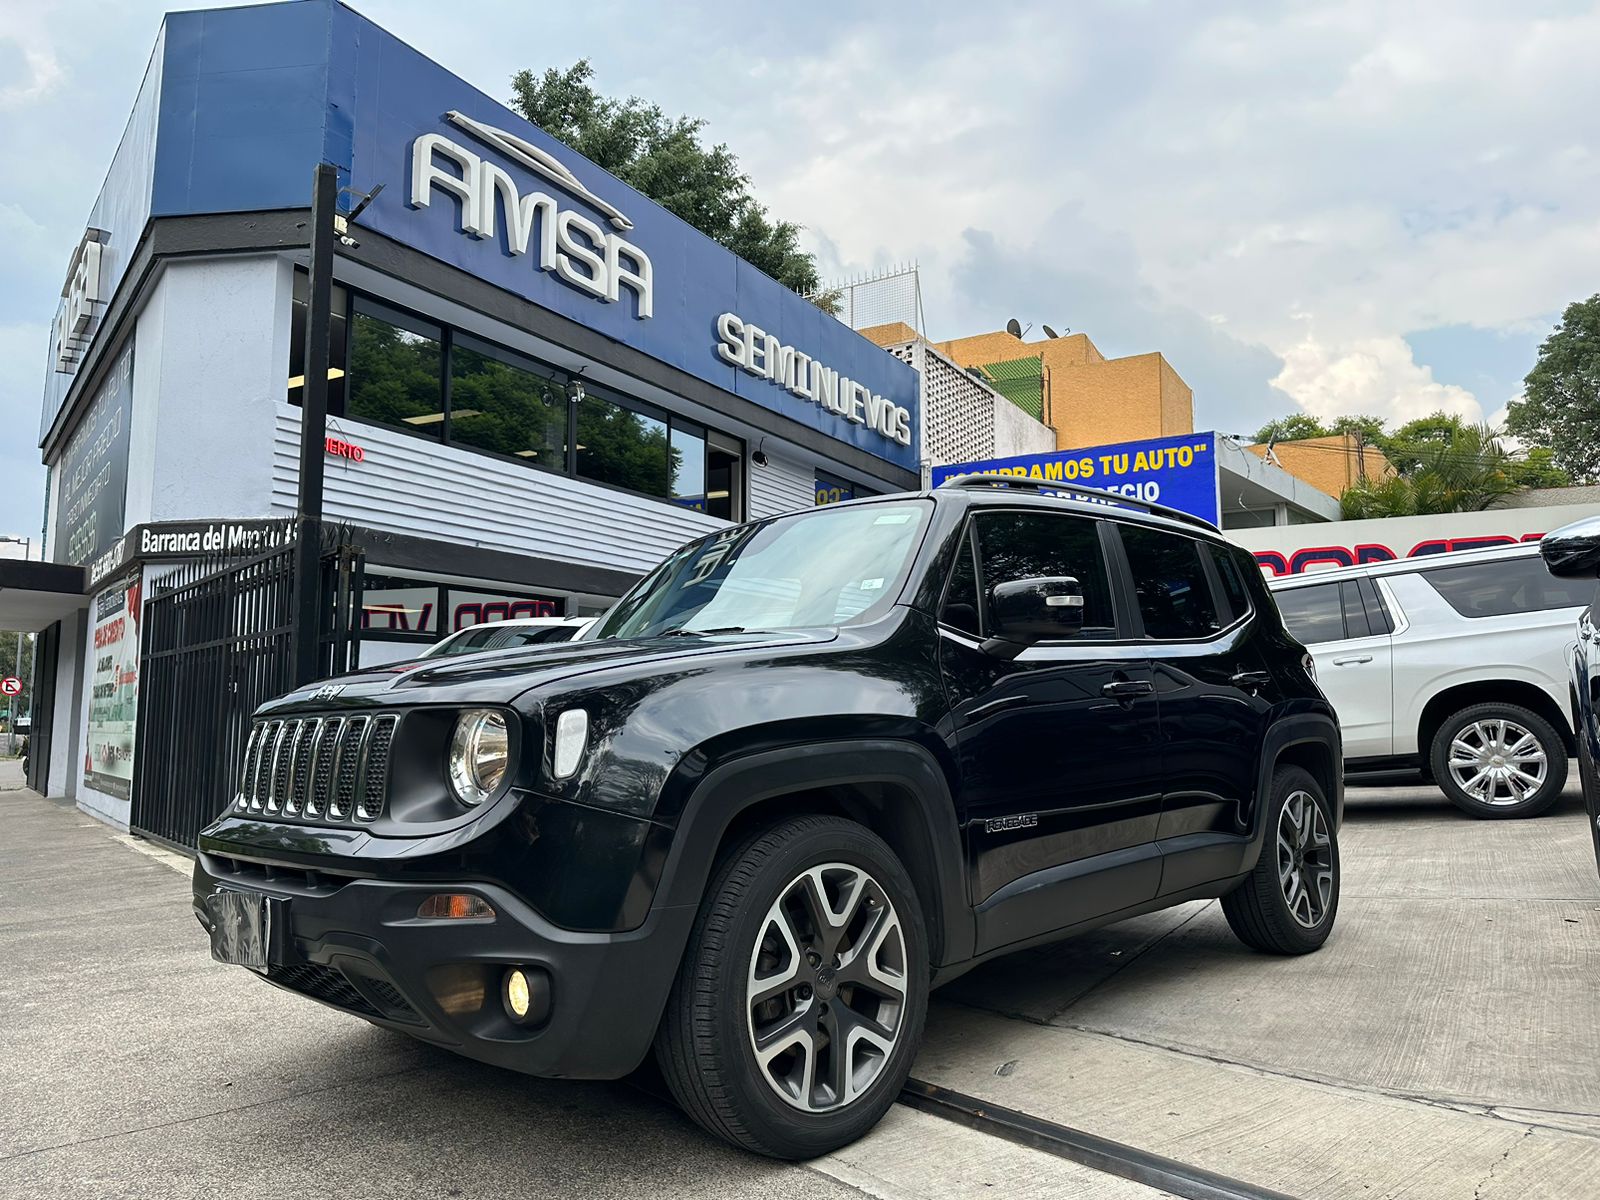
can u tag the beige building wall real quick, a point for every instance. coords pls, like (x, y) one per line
(1330, 464)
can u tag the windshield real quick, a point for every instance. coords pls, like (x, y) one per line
(493, 637)
(828, 567)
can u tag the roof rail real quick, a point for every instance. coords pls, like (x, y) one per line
(1096, 495)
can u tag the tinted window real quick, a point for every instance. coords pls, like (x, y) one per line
(505, 406)
(1377, 611)
(337, 338)
(1170, 581)
(689, 465)
(396, 369)
(1355, 613)
(1313, 614)
(1044, 545)
(1507, 585)
(961, 596)
(1233, 588)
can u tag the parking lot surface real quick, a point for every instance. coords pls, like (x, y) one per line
(1444, 1043)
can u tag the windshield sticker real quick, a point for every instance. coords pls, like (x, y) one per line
(871, 585)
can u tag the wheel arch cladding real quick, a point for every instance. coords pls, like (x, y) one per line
(894, 788)
(1310, 742)
(1442, 707)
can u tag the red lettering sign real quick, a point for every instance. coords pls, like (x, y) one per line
(343, 449)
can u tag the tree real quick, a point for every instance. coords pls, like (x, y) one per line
(1293, 428)
(663, 158)
(1560, 407)
(1450, 466)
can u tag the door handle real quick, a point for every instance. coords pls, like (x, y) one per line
(1127, 689)
(1246, 679)
(1352, 660)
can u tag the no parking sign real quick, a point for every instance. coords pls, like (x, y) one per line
(10, 686)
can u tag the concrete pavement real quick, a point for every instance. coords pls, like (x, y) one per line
(1445, 1043)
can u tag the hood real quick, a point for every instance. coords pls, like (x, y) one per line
(500, 676)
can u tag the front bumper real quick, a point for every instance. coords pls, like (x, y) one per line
(358, 945)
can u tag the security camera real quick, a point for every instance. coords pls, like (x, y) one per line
(759, 458)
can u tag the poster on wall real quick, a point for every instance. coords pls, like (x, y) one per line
(114, 690)
(94, 470)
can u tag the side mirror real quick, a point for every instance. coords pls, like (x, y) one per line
(1037, 610)
(1573, 551)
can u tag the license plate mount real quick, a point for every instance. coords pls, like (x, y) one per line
(246, 928)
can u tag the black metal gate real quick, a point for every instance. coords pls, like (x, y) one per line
(218, 641)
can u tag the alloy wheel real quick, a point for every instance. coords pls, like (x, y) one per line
(826, 998)
(1305, 859)
(1498, 762)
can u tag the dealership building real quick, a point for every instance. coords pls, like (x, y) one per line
(539, 381)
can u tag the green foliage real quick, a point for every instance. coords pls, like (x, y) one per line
(662, 157)
(1452, 467)
(394, 374)
(1293, 428)
(1560, 407)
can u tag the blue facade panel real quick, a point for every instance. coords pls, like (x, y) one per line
(249, 100)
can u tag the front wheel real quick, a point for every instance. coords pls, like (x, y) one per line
(798, 1008)
(1499, 760)
(1287, 904)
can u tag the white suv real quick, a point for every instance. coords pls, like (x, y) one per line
(1453, 663)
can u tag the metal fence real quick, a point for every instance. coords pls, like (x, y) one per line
(218, 642)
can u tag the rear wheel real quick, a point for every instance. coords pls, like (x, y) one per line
(1499, 760)
(1288, 903)
(798, 1009)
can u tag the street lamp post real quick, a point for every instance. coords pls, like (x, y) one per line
(11, 745)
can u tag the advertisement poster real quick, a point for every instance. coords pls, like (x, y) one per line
(94, 466)
(114, 694)
(1179, 472)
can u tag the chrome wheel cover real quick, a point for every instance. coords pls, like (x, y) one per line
(1498, 762)
(826, 995)
(1305, 859)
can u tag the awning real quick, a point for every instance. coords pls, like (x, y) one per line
(35, 595)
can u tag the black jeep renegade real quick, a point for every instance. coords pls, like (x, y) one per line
(808, 769)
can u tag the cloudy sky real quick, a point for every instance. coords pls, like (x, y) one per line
(1362, 207)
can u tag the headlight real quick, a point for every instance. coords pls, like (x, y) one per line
(480, 751)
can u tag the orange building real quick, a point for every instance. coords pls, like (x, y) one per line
(1088, 399)
(1330, 464)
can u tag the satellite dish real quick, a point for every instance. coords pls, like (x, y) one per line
(1014, 327)
(1048, 332)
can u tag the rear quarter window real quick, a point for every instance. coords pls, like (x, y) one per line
(1501, 587)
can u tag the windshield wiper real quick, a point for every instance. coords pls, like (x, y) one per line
(680, 631)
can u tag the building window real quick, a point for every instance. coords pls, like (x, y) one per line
(396, 369)
(688, 452)
(500, 405)
(724, 476)
(338, 344)
(832, 490)
(621, 445)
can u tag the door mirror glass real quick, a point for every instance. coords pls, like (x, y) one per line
(1573, 551)
(1037, 610)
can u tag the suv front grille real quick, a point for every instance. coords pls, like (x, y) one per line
(325, 769)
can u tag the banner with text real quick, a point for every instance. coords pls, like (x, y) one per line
(1179, 472)
(114, 695)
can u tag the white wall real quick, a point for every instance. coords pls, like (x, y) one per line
(1401, 537)
(781, 486)
(1015, 432)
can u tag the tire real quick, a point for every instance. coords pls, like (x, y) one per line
(1481, 736)
(761, 914)
(1300, 831)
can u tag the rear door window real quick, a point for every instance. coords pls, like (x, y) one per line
(1500, 587)
(1313, 614)
(1233, 586)
(1170, 581)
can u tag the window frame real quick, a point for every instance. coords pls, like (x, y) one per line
(971, 544)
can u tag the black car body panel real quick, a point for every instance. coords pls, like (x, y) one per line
(1030, 790)
(1574, 551)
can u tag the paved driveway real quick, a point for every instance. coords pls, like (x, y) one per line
(1445, 1043)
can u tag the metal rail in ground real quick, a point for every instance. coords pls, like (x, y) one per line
(1086, 1149)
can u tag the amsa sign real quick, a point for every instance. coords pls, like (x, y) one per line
(1179, 472)
(82, 300)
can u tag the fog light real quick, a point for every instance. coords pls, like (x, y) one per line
(525, 995)
(455, 906)
(518, 999)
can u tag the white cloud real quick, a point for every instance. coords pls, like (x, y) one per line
(1371, 375)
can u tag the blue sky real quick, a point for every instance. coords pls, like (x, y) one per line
(1363, 207)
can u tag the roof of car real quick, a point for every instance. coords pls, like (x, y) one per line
(1405, 566)
(1013, 490)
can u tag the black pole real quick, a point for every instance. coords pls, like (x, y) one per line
(314, 429)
